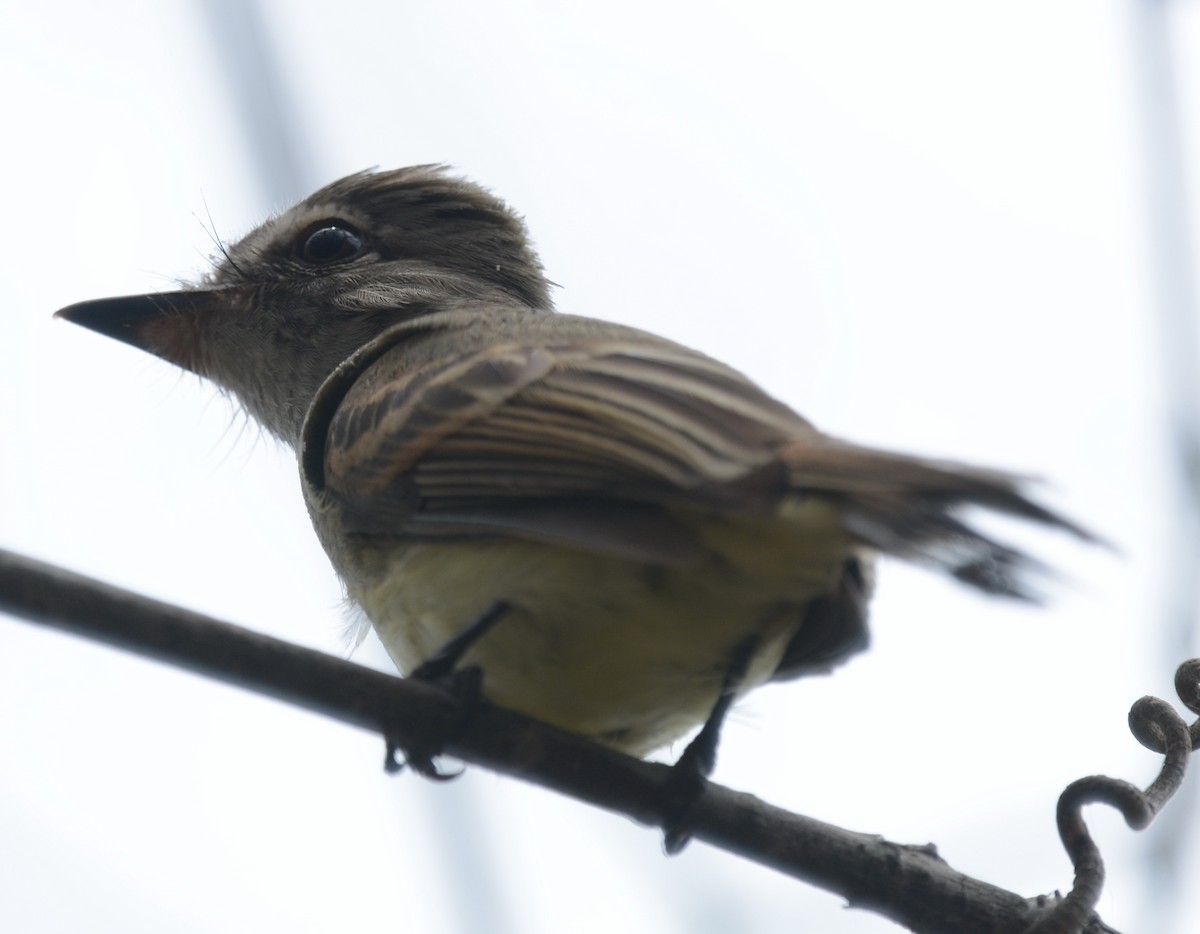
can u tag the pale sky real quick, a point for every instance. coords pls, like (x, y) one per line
(923, 225)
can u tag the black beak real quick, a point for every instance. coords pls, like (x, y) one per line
(166, 324)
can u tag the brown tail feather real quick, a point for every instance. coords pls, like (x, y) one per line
(907, 507)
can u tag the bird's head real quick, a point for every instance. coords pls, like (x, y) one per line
(299, 294)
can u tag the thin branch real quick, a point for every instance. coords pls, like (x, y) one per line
(911, 885)
(1157, 726)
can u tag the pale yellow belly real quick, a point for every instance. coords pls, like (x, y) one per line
(631, 654)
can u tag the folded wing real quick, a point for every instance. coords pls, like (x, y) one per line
(603, 443)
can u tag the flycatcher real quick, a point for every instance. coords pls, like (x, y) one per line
(623, 534)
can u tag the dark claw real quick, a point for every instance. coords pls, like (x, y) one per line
(689, 772)
(465, 683)
(420, 762)
(391, 763)
(688, 776)
(684, 788)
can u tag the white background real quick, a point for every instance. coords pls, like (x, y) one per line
(924, 225)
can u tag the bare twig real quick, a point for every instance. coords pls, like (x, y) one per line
(911, 885)
(1156, 726)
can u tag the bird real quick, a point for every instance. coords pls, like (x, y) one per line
(622, 535)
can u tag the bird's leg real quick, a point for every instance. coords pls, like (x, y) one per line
(697, 761)
(465, 683)
(440, 665)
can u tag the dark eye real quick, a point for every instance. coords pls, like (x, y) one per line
(331, 243)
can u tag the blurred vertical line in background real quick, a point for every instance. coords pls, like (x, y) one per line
(273, 128)
(1169, 239)
(281, 145)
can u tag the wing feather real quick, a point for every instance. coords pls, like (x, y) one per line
(512, 421)
(569, 434)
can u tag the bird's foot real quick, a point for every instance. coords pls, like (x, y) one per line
(466, 684)
(420, 754)
(690, 772)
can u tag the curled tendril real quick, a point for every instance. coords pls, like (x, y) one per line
(1187, 686)
(1156, 726)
